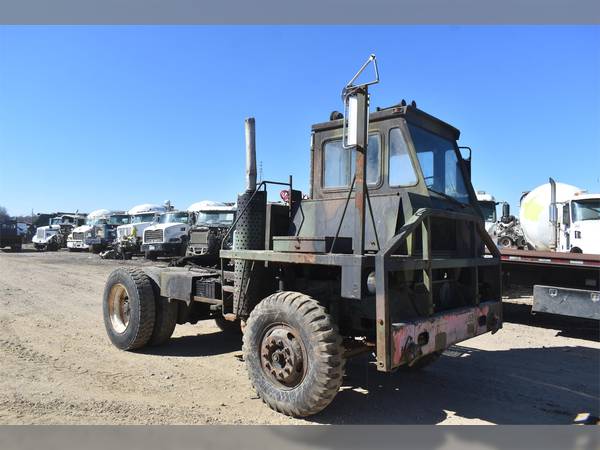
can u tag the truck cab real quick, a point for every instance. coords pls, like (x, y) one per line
(54, 235)
(168, 235)
(104, 231)
(212, 221)
(580, 224)
(129, 236)
(76, 240)
(11, 235)
(487, 204)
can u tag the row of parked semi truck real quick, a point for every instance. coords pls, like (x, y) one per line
(149, 229)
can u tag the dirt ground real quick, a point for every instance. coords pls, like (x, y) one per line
(58, 367)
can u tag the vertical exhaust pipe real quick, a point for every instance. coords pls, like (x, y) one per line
(553, 213)
(250, 154)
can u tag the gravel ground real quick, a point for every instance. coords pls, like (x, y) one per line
(58, 367)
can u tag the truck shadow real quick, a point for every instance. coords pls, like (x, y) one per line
(518, 386)
(205, 344)
(567, 326)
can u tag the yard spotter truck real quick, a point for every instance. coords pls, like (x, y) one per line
(386, 255)
(54, 236)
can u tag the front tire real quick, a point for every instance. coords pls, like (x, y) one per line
(129, 308)
(293, 354)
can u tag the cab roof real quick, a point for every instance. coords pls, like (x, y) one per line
(409, 112)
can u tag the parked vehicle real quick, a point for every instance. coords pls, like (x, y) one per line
(561, 224)
(129, 236)
(386, 256)
(561, 217)
(212, 222)
(168, 236)
(76, 240)
(54, 235)
(104, 232)
(11, 236)
(487, 204)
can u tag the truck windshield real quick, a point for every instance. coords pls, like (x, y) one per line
(588, 209)
(55, 221)
(178, 217)
(439, 163)
(93, 221)
(118, 220)
(214, 218)
(139, 218)
(489, 210)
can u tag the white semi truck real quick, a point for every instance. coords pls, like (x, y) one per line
(76, 240)
(129, 237)
(561, 223)
(210, 226)
(54, 235)
(487, 204)
(168, 236)
(561, 217)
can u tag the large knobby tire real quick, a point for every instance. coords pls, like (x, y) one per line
(129, 308)
(293, 354)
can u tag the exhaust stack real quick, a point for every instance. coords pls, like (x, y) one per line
(250, 155)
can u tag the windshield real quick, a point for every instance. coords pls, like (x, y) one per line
(93, 221)
(439, 163)
(489, 210)
(214, 218)
(177, 217)
(143, 218)
(121, 219)
(586, 209)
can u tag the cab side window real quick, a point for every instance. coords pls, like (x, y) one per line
(402, 172)
(339, 163)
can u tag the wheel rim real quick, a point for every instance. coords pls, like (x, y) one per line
(282, 356)
(119, 309)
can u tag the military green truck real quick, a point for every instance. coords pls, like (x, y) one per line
(385, 256)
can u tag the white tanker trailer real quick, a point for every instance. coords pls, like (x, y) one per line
(561, 217)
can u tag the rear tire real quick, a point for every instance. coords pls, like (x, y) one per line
(505, 241)
(293, 354)
(166, 319)
(129, 308)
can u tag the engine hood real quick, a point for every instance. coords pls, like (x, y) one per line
(126, 230)
(169, 226)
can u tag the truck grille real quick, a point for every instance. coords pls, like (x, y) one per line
(153, 236)
(40, 234)
(199, 237)
(78, 236)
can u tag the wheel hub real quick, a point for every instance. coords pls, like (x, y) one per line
(282, 356)
(119, 309)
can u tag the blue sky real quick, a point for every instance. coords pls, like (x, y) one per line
(110, 117)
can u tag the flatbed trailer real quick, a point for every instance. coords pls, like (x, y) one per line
(562, 283)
